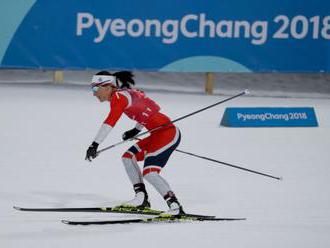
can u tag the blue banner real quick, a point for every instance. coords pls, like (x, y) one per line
(216, 35)
(269, 117)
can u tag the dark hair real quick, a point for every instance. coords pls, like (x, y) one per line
(104, 73)
(124, 79)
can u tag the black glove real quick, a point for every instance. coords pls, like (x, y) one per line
(91, 151)
(130, 133)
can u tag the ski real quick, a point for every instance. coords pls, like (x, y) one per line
(160, 216)
(119, 209)
(163, 218)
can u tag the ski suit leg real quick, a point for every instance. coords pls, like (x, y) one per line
(155, 150)
(158, 151)
(130, 158)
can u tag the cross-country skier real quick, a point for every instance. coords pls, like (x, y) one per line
(155, 149)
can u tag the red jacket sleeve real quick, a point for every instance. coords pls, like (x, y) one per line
(118, 103)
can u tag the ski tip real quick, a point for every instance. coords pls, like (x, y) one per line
(17, 208)
(246, 92)
(75, 223)
(226, 219)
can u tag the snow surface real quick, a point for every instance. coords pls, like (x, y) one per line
(45, 131)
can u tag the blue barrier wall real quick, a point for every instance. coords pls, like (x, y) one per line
(213, 35)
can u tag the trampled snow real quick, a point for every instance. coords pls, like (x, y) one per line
(46, 130)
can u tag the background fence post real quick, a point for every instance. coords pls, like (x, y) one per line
(209, 84)
(58, 77)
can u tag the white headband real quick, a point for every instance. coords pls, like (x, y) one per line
(100, 80)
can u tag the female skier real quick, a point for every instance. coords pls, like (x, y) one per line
(154, 150)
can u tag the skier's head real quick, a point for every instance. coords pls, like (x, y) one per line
(102, 85)
(120, 79)
(104, 82)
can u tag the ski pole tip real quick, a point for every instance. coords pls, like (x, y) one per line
(246, 92)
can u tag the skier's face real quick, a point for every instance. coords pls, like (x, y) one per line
(103, 93)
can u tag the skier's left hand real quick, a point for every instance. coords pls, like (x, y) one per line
(91, 151)
(130, 133)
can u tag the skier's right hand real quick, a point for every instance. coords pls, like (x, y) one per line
(91, 151)
(130, 133)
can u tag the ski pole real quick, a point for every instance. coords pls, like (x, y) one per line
(224, 163)
(245, 92)
(227, 164)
